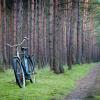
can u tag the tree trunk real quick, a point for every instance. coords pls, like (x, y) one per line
(0, 32)
(78, 34)
(51, 36)
(5, 60)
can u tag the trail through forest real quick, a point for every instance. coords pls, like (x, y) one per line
(87, 88)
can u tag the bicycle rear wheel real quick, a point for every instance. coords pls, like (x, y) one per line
(19, 72)
(31, 70)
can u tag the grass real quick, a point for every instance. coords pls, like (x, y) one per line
(48, 85)
(94, 97)
(97, 97)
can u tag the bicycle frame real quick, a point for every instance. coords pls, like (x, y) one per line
(18, 45)
(17, 58)
(25, 61)
(17, 52)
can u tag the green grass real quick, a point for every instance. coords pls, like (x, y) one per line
(97, 97)
(48, 85)
(94, 97)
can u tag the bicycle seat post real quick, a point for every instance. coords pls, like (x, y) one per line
(17, 52)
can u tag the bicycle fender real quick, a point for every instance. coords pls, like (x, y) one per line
(14, 59)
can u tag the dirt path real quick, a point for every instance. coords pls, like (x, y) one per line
(88, 87)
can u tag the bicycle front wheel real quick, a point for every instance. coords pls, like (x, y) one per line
(19, 72)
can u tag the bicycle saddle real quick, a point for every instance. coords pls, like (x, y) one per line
(24, 48)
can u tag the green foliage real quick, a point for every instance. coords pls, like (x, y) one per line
(94, 9)
(91, 6)
(48, 85)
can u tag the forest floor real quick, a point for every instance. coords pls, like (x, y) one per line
(48, 86)
(88, 88)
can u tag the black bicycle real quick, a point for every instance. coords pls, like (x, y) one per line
(23, 65)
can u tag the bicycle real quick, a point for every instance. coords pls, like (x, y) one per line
(23, 66)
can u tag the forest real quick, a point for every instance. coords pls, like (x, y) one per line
(63, 42)
(60, 31)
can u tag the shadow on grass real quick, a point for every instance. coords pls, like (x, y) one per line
(93, 97)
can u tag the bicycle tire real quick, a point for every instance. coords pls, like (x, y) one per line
(19, 72)
(33, 59)
(30, 70)
(31, 64)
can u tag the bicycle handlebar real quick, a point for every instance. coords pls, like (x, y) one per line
(25, 38)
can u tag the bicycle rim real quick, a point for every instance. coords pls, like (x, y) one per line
(31, 70)
(19, 74)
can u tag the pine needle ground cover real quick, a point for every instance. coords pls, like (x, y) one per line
(48, 85)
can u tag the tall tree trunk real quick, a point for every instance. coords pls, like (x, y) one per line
(56, 41)
(23, 12)
(5, 60)
(29, 33)
(78, 33)
(19, 20)
(32, 27)
(14, 23)
(84, 38)
(51, 36)
(0, 32)
(37, 32)
(71, 34)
